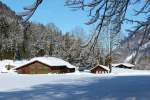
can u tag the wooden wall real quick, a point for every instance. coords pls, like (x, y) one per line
(99, 70)
(40, 68)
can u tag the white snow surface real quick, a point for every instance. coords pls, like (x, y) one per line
(125, 64)
(52, 61)
(128, 58)
(3, 63)
(121, 84)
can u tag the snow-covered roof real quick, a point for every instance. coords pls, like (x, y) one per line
(51, 61)
(125, 64)
(104, 67)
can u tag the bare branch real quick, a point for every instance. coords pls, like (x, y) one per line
(143, 8)
(29, 11)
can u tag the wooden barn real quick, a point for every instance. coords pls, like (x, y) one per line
(123, 65)
(99, 69)
(45, 66)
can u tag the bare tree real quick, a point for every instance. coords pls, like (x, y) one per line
(29, 11)
(105, 12)
(102, 13)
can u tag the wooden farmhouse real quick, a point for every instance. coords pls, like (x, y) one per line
(123, 65)
(99, 69)
(45, 65)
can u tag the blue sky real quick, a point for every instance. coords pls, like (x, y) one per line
(52, 11)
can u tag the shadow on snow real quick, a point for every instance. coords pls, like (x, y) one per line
(116, 88)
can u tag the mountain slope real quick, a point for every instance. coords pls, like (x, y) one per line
(132, 46)
(7, 12)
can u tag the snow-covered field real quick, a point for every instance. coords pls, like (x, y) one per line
(121, 84)
(75, 86)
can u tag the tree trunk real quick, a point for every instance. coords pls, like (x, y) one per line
(110, 68)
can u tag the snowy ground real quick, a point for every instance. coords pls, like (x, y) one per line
(121, 84)
(75, 86)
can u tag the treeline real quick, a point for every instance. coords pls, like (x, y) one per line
(21, 41)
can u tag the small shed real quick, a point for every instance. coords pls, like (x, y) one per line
(123, 65)
(99, 69)
(44, 65)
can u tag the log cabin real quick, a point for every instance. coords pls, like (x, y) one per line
(99, 69)
(123, 65)
(45, 65)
